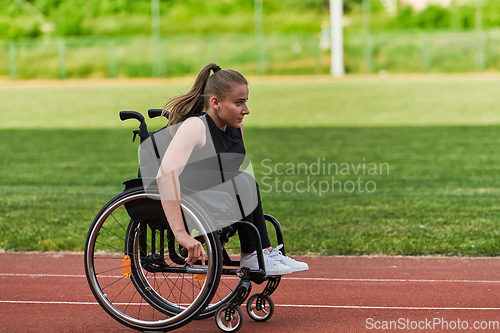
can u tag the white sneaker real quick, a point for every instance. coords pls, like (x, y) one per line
(272, 267)
(295, 265)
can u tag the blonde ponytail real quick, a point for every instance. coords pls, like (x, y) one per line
(205, 86)
(192, 102)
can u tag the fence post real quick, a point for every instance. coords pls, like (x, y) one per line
(368, 40)
(318, 65)
(111, 59)
(213, 48)
(480, 36)
(156, 57)
(259, 35)
(426, 52)
(61, 46)
(155, 37)
(165, 62)
(12, 60)
(481, 57)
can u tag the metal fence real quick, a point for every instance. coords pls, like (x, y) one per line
(277, 54)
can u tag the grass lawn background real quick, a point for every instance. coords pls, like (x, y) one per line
(65, 153)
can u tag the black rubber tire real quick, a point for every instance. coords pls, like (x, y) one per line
(137, 302)
(265, 311)
(232, 325)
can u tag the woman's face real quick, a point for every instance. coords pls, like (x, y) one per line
(233, 107)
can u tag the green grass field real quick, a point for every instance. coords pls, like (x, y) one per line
(433, 140)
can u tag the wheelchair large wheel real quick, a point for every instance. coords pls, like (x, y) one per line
(131, 272)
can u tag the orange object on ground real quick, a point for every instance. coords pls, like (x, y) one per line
(126, 267)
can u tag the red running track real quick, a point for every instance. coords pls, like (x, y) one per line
(48, 292)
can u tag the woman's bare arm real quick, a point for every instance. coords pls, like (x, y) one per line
(190, 136)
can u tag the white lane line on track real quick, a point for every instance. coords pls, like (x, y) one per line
(279, 305)
(381, 307)
(35, 275)
(50, 302)
(83, 276)
(390, 280)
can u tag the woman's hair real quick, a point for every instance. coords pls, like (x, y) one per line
(219, 84)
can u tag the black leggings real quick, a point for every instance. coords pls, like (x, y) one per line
(247, 241)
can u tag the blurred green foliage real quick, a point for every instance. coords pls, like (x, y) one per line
(132, 17)
(118, 17)
(433, 17)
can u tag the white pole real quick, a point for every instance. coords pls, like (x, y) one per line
(337, 38)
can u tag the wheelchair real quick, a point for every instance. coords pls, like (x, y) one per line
(137, 272)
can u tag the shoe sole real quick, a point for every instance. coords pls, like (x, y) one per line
(300, 270)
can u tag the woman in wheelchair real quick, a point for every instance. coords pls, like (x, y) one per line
(207, 151)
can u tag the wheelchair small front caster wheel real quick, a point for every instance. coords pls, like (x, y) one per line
(259, 307)
(227, 319)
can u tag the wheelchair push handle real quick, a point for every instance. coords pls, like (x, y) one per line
(143, 128)
(153, 113)
(124, 115)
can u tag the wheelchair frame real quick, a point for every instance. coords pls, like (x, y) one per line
(137, 272)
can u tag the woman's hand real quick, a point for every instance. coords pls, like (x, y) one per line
(195, 248)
